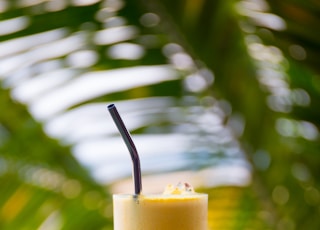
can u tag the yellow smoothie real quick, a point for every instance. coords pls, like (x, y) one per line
(172, 210)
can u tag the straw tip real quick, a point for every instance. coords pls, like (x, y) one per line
(111, 106)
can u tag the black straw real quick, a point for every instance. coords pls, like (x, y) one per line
(131, 147)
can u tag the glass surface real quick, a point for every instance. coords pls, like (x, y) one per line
(158, 211)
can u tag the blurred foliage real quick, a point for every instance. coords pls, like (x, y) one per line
(264, 56)
(42, 185)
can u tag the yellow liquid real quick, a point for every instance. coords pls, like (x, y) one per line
(160, 212)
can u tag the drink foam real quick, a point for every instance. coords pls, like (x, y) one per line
(179, 189)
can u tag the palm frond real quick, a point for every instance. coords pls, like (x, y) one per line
(221, 93)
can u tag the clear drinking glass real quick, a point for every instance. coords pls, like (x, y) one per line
(160, 212)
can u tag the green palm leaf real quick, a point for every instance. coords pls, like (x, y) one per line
(222, 93)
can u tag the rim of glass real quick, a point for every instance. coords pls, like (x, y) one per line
(160, 195)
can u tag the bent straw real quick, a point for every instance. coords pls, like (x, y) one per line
(131, 147)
